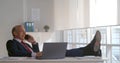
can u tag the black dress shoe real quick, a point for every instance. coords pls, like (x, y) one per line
(97, 41)
(98, 53)
(93, 48)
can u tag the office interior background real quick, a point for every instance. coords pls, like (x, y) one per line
(71, 20)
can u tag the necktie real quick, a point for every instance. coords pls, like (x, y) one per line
(26, 46)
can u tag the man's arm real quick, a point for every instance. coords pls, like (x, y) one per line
(35, 47)
(15, 49)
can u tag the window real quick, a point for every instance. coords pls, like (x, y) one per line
(103, 12)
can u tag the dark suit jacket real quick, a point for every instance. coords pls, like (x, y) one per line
(16, 49)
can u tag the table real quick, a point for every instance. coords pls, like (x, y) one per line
(64, 60)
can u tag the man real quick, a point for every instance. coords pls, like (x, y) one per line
(18, 48)
(15, 48)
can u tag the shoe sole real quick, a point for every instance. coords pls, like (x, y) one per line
(97, 43)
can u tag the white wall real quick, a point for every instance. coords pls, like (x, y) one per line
(11, 13)
(79, 13)
(66, 15)
(46, 13)
(61, 14)
(118, 2)
(86, 13)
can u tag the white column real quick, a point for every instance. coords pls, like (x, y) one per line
(118, 10)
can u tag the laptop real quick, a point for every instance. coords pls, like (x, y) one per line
(54, 50)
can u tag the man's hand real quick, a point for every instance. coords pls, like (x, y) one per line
(30, 39)
(38, 54)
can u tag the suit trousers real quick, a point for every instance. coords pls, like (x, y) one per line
(77, 52)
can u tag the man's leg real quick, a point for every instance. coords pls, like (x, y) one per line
(77, 52)
(92, 49)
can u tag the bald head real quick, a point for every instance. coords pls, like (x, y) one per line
(18, 31)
